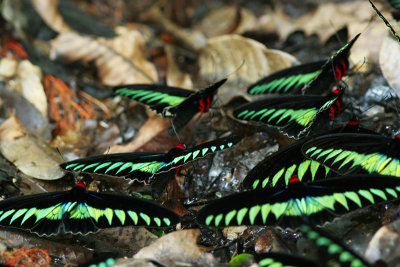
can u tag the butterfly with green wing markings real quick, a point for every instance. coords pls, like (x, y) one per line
(172, 102)
(79, 211)
(318, 201)
(145, 166)
(292, 115)
(331, 251)
(356, 153)
(313, 77)
(277, 168)
(395, 14)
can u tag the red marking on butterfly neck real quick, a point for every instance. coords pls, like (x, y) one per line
(398, 136)
(181, 146)
(294, 179)
(335, 109)
(336, 90)
(204, 104)
(177, 170)
(81, 184)
(353, 121)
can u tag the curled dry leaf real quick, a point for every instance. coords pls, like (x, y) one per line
(389, 62)
(243, 59)
(227, 20)
(150, 129)
(29, 154)
(175, 247)
(120, 60)
(47, 9)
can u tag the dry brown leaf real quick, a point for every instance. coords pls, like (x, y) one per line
(227, 20)
(30, 155)
(175, 77)
(150, 129)
(390, 63)
(47, 9)
(120, 60)
(243, 59)
(179, 246)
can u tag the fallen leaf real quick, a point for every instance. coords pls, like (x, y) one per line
(150, 129)
(389, 62)
(227, 20)
(47, 9)
(175, 247)
(242, 59)
(30, 155)
(8, 67)
(121, 60)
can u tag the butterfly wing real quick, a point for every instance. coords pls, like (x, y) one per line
(317, 201)
(137, 166)
(289, 80)
(156, 96)
(356, 153)
(81, 211)
(330, 248)
(333, 70)
(197, 102)
(291, 115)
(277, 168)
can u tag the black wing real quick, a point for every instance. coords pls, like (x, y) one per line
(356, 153)
(286, 206)
(81, 211)
(291, 115)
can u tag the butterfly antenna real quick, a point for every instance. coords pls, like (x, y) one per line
(59, 152)
(175, 132)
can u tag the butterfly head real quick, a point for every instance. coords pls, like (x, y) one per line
(294, 179)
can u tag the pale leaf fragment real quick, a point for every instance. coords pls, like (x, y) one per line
(390, 63)
(179, 246)
(47, 9)
(243, 59)
(120, 60)
(29, 154)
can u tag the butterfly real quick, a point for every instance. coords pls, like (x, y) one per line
(319, 201)
(292, 115)
(311, 77)
(331, 251)
(356, 153)
(80, 211)
(172, 102)
(394, 4)
(145, 166)
(277, 168)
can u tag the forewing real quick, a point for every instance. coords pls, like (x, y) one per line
(157, 96)
(137, 166)
(331, 249)
(289, 80)
(277, 168)
(355, 153)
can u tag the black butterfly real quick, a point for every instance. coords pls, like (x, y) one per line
(277, 168)
(292, 115)
(172, 102)
(314, 77)
(331, 251)
(81, 211)
(318, 201)
(354, 153)
(144, 166)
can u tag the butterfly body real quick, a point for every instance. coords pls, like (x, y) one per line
(81, 211)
